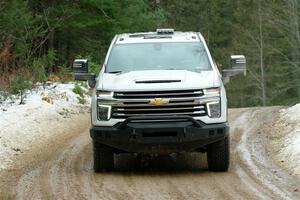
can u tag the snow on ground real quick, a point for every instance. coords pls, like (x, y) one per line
(290, 144)
(22, 124)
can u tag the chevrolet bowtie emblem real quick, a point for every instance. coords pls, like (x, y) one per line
(159, 101)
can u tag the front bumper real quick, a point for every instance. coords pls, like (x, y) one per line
(159, 134)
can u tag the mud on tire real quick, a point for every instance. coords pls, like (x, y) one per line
(218, 155)
(103, 157)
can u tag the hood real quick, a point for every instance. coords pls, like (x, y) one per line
(157, 80)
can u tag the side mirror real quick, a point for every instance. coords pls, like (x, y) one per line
(81, 72)
(237, 66)
(81, 66)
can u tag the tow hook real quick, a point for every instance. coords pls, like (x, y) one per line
(184, 132)
(133, 137)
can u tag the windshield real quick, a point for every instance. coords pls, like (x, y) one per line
(190, 56)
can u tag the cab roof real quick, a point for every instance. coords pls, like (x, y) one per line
(161, 35)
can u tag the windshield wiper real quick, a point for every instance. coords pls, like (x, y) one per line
(115, 72)
(173, 68)
(186, 69)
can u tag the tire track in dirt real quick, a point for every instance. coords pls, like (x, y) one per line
(253, 157)
(68, 172)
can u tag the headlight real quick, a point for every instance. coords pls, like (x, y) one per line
(214, 109)
(104, 104)
(212, 91)
(103, 112)
(104, 107)
(101, 93)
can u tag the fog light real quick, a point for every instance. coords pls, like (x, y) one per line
(101, 93)
(214, 109)
(104, 112)
(212, 91)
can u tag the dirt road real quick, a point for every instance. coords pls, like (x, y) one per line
(62, 169)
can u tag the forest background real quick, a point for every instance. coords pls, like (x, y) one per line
(40, 38)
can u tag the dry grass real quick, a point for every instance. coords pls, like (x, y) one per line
(7, 78)
(4, 83)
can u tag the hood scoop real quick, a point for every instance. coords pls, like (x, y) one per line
(158, 81)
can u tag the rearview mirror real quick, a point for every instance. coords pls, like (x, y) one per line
(237, 66)
(81, 72)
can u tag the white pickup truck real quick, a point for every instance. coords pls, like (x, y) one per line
(159, 93)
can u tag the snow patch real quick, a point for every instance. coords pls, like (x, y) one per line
(290, 147)
(292, 113)
(23, 124)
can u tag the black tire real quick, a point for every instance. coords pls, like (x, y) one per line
(218, 156)
(103, 157)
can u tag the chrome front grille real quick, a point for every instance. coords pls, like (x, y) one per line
(183, 102)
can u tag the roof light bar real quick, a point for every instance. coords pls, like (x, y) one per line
(165, 31)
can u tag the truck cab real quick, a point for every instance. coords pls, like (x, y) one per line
(159, 93)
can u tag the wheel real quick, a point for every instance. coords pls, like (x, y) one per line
(103, 157)
(218, 155)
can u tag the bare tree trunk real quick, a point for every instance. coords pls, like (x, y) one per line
(68, 48)
(295, 36)
(261, 52)
(51, 39)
